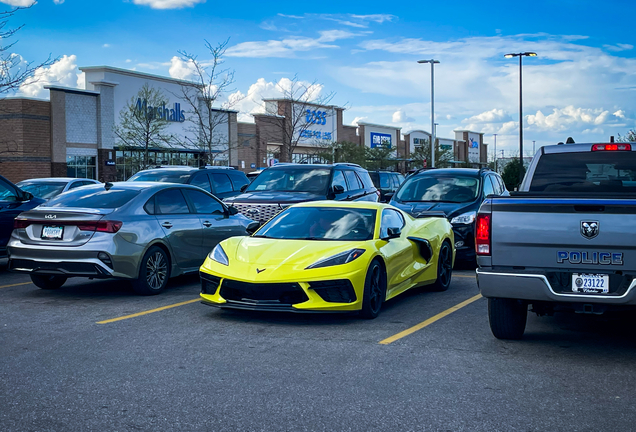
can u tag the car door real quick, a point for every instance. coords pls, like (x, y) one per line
(339, 180)
(239, 180)
(222, 186)
(356, 189)
(397, 252)
(201, 180)
(181, 226)
(217, 223)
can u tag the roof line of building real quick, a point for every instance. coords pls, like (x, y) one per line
(379, 125)
(72, 90)
(134, 73)
(302, 102)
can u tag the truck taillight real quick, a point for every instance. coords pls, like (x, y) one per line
(483, 234)
(612, 147)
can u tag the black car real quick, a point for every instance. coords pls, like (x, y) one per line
(285, 184)
(223, 182)
(387, 183)
(458, 192)
(13, 201)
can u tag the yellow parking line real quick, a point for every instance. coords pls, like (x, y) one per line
(18, 284)
(464, 276)
(429, 321)
(148, 311)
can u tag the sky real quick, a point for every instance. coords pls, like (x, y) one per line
(581, 84)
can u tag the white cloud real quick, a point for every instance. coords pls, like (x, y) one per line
(494, 115)
(106, 46)
(400, 117)
(128, 61)
(359, 119)
(181, 69)
(289, 46)
(20, 3)
(58, 2)
(63, 73)
(563, 119)
(619, 114)
(378, 18)
(168, 4)
(618, 47)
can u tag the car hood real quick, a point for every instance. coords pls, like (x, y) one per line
(450, 209)
(274, 197)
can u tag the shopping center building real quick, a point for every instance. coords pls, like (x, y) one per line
(74, 132)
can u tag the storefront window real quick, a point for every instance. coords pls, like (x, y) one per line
(130, 162)
(81, 167)
(308, 158)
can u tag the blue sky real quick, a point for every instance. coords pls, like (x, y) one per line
(581, 85)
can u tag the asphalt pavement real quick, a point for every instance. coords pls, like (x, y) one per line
(93, 356)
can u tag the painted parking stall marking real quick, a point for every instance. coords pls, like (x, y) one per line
(13, 285)
(429, 321)
(108, 321)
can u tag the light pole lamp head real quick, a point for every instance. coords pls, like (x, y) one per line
(428, 61)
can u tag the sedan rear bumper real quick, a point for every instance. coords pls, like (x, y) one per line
(85, 268)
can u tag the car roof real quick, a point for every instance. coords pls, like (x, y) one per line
(53, 179)
(471, 172)
(125, 185)
(345, 204)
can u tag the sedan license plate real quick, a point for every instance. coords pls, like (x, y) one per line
(52, 232)
(590, 283)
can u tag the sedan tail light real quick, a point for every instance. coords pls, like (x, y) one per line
(483, 234)
(99, 226)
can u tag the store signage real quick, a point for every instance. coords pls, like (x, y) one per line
(253, 165)
(109, 162)
(175, 114)
(316, 134)
(380, 140)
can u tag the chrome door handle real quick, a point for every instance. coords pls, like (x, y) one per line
(207, 224)
(166, 225)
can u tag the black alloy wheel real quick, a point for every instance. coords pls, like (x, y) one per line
(444, 268)
(48, 282)
(374, 291)
(154, 272)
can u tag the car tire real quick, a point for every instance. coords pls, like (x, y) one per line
(48, 282)
(507, 318)
(374, 291)
(444, 268)
(154, 272)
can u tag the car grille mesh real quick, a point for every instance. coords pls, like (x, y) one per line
(270, 293)
(259, 212)
(336, 291)
(209, 283)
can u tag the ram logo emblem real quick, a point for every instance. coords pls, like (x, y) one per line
(589, 229)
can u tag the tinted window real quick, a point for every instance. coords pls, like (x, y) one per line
(238, 180)
(165, 176)
(385, 181)
(338, 179)
(43, 190)
(352, 180)
(321, 223)
(590, 172)
(390, 219)
(366, 180)
(400, 178)
(171, 202)
(439, 189)
(75, 185)
(502, 185)
(292, 179)
(94, 197)
(8, 193)
(222, 183)
(375, 177)
(204, 204)
(201, 180)
(488, 187)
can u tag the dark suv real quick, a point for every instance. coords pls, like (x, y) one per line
(387, 183)
(223, 182)
(285, 184)
(458, 192)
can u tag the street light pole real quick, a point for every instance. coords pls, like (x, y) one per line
(432, 62)
(520, 55)
(495, 152)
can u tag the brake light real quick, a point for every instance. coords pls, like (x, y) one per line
(483, 234)
(612, 147)
(21, 223)
(100, 226)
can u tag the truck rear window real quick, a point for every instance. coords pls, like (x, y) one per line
(586, 173)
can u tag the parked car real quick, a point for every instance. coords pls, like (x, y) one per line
(222, 182)
(13, 201)
(330, 257)
(252, 175)
(458, 192)
(387, 182)
(145, 232)
(49, 187)
(282, 185)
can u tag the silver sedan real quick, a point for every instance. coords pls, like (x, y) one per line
(144, 232)
(50, 187)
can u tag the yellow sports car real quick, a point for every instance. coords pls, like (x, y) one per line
(330, 256)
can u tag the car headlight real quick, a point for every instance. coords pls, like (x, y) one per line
(218, 255)
(465, 219)
(341, 258)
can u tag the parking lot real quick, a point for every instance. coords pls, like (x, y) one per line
(95, 356)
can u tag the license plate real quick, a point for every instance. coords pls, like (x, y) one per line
(590, 283)
(52, 232)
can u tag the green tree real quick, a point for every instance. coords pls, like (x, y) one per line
(443, 157)
(141, 124)
(629, 137)
(379, 158)
(344, 151)
(510, 174)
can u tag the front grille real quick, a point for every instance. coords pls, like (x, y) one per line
(79, 268)
(336, 291)
(259, 212)
(561, 282)
(269, 293)
(209, 283)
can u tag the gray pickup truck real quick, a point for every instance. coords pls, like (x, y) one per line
(565, 242)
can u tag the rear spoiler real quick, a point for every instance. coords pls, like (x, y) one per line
(427, 214)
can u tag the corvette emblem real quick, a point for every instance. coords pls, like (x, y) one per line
(589, 229)
(260, 270)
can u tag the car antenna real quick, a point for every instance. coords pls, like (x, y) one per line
(108, 185)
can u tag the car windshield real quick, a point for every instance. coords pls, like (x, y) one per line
(167, 176)
(45, 190)
(94, 197)
(314, 180)
(321, 223)
(456, 189)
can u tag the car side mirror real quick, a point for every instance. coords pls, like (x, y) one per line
(25, 196)
(252, 227)
(337, 189)
(392, 232)
(243, 188)
(231, 210)
(389, 195)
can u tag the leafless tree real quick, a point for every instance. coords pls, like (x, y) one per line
(296, 112)
(210, 81)
(14, 71)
